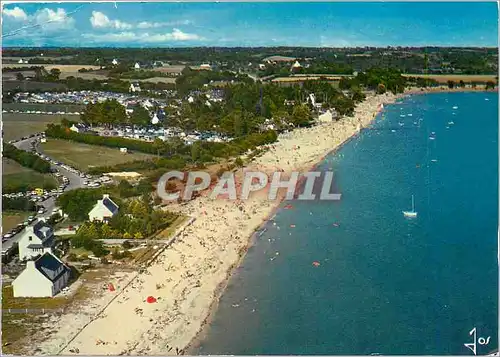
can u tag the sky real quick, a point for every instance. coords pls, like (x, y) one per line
(320, 24)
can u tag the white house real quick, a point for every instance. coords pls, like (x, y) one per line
(21, 61)
(155, 119)
(42, 277)
(36, 240)
(77, 128)
(205, 66)
(262, 66)
(134, 87)
(114, 62)
(137, 65)
(103, 210)
(296, 65)
(328, 116)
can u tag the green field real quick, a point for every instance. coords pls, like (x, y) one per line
(44, 107)
(12, 219)
(18, 178)
(16, 125)
(84, 157)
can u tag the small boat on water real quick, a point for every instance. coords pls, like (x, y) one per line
(451, 123)
(402, 115)
(455, 107)
(432, 138)
(434, 160)
(412, 213)
(410, 115)
(393, 130)
(401, 124)
(486, 99)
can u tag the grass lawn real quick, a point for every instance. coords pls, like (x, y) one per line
(84, 157)
(17, 125)
(16, 177)
(10, 219)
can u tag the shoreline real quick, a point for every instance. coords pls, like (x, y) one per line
(196, 269)
(201, 334)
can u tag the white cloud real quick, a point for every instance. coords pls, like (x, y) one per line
(175, 35)
(150, 25)
(53, 20)
(16, 14)
(44, 22)
(178, 35)
(100, 20)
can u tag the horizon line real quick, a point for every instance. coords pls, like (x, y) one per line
(255, 47)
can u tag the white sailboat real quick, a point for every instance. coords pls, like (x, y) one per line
(412, 213)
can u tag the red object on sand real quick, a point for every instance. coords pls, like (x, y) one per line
(151, 299)
(292, 225)
(288, 206)
(111, 287)
(316, 264)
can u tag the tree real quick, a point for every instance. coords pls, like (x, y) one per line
(344, 83)
(451, 84)
(238, 162)
(381, 88)
(159, 146)
(55, 73)
(301, 115)
(461, 84)
(490, 85)
(196, 151)
(140, 116)
(357, 95)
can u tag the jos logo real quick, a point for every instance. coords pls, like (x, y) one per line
(481, 340)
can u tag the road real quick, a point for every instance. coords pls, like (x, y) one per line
(75, 181)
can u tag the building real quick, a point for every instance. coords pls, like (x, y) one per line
(205, 66)
(78, 128)
(276, 59)
(155, 119)
(328, 116)
(296, 66)
(114, 62)
(137, 65)
(43, 277)
(134, 87)
(36, 240)
(103, 210)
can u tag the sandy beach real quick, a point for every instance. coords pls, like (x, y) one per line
(189, 276)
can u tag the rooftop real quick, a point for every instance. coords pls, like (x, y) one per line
(51, 267)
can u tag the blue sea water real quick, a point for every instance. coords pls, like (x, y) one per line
(385, 284)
